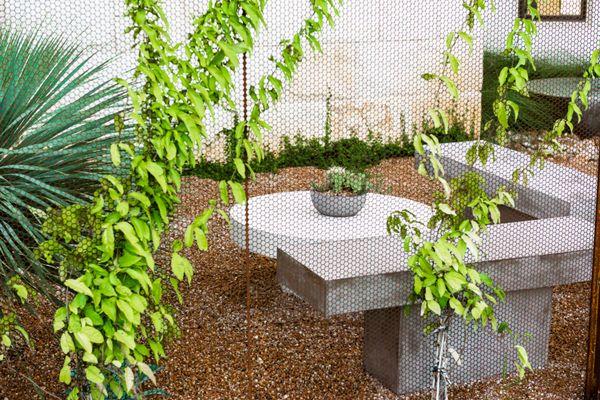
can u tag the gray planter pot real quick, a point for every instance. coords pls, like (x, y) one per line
(337, 206)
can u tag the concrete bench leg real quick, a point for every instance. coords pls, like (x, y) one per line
(398, 354)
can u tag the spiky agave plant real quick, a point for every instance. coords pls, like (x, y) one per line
(56, 127)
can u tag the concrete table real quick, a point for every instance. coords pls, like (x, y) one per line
(346, 265)
(561, 89)
(526, 258)
(289, 219)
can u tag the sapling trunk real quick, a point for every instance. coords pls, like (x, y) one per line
(440, 379)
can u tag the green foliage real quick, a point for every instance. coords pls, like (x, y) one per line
(444, 280)
(56, 127)
(468, 200)
(445, 283)
(512, 81)
(115, 319)
(577, 103)
(339, 180)
(67, 225)
(321, 152)
(10, 327)
(140, 379)
(249, 133)
(513, 78)
(535, 112)
(351, 153)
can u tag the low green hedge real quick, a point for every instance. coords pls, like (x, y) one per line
(351, 153)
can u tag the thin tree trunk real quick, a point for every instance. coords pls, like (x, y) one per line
(440, 370)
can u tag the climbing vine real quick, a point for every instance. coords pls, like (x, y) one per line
(578, 101)
(114, 319)
(269, 87)
(446, 284)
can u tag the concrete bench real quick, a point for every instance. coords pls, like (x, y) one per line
(554, 191)
(353, 275)
(346, 265)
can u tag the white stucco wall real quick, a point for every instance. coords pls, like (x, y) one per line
(372, 61)
(569, 41)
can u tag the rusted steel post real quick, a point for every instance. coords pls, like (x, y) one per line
(249, 357)
(592, 379)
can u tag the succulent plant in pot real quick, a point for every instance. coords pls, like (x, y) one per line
(342, 194)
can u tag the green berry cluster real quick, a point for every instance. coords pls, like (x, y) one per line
(74, 234)
(7, 321)
(8, 325)
(71, 223)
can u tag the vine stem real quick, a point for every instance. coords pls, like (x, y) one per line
(22, 375)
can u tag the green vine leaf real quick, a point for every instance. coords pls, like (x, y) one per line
(79, 287)
(65, 372)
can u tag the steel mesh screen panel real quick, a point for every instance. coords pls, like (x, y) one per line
(328, 293)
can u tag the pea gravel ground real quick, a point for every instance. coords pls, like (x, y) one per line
(297, 353)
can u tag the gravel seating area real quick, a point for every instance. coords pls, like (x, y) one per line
(298, 353)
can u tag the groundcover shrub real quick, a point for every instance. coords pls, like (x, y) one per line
(352, 153)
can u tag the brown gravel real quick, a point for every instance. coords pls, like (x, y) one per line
(297, 353)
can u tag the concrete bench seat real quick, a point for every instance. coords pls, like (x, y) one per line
(554, 191)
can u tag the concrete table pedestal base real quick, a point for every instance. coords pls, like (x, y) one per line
(398, 354)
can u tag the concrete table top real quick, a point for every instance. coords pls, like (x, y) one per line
(290, 219)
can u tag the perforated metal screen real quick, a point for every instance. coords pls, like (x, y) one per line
(328, 292)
